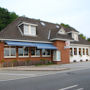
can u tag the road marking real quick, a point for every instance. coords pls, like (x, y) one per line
(16, 74)
(80, 89)
(70, 87)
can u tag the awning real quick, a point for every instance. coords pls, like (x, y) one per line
(14, 43)
(31, 44)
(45, 46)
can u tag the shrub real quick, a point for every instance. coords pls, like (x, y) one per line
(1, 62)
(13, 62)
(42, 61)
(27, 62)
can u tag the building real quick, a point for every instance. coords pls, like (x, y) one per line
(30, 39)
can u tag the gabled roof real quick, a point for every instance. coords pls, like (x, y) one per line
(12, 31)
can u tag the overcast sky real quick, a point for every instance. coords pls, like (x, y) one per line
(73, 12)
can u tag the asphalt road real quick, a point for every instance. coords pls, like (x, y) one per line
(69, 80)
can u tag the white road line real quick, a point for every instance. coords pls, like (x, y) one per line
(68, 87)
(14, 79)
(80, 89)
(16, 74)
(25, 76)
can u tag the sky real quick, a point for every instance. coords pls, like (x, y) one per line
(76, 13)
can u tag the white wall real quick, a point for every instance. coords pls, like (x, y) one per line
(78, 57)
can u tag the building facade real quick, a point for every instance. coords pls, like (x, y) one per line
(30, 39)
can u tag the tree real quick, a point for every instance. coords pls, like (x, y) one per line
(82, 36)
(6, 17)
(65, 25)
(88, 39)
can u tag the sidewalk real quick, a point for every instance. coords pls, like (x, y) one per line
(60, 67)
(36, 68)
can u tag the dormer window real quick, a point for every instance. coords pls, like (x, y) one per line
(75, 36)
(29, 30)
(42, 23)
(61, 31)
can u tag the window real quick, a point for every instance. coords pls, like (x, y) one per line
(75, 36)
(30, 30)
(87, 52)
(83, 51)
(42, 23)
(6, 51)
(62, 31)
(46, 52)
(26, 29)
(9, 52)
(75, 51)
(26, 51)
(23, 51)
(33, 30)
(71, 52)
(13, 51)
(79, 51)
(35, 52)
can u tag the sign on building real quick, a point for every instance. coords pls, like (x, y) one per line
(67, 44)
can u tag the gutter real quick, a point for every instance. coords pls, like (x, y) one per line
(25, 40)
(61, 39)
(79, 44)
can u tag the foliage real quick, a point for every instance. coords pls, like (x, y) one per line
(88, 39)
(82, 36)
(44, 62)
(6, 17)
(2, 61)
(65, 25)
(14, 61)
(27, 62)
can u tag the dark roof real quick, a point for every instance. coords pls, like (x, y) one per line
(81, 41)
(68, 29)
(54, 34)
(12, 31)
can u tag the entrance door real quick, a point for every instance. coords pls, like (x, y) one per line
(57, 55)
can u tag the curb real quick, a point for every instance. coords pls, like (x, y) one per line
(36, 69)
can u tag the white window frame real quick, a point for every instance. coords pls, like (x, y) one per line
(35, 53)
(47, 55)
(9, 53)
(30, 30)
(27, 30)
(23, 53)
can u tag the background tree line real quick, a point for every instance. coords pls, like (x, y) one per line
(6, 17)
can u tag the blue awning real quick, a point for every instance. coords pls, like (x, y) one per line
(30, 44)
(14, 43)
(45, 46)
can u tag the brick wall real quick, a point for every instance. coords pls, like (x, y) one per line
(59, 44)
(1, 50)
(21, 58)
(65, 55)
